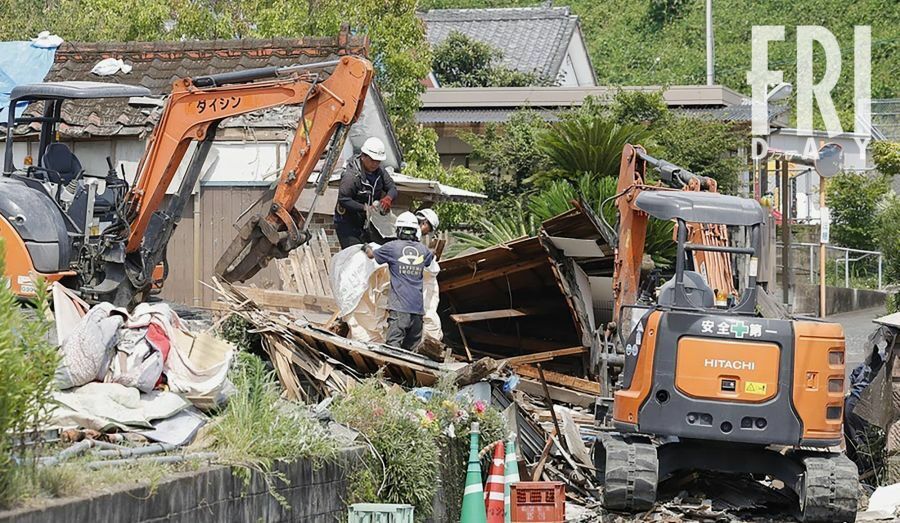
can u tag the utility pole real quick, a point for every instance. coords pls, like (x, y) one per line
(785, 233)
(710, 51)
(824, 218)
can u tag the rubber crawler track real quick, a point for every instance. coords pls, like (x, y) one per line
(830, 489)
(630, 474)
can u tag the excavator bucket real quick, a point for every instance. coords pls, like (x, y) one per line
(253, 247)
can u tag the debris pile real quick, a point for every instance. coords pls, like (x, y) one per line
(137, 377)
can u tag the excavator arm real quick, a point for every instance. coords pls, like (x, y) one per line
(632, 230)
(193, 113)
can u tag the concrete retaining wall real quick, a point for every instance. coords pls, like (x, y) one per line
(212, 494)
(837, 299)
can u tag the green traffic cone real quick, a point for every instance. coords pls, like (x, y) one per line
(473, 510)
(511, 471)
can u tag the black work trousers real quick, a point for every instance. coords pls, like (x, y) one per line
(404, 330)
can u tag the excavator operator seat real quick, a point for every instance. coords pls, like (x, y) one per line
(695, 287)
(61, 160)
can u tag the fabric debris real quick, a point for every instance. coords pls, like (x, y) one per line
(179, 429)
(107, 406)
(85, 353)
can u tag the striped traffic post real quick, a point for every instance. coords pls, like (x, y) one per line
(511, 473)
(473, 496)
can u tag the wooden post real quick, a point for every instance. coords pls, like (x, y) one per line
(785, 234)
(198, 254)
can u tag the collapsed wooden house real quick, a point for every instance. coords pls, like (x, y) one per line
(536, 299)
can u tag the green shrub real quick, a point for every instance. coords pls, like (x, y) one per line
(405, 470)
(258, 428)
(888, 236)
(27, 365)
(461, 61)
(853, 200)
(418, 443)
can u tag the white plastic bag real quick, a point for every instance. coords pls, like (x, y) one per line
(45, 40)
(110, 66)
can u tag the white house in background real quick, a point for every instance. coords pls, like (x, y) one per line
(544, 40)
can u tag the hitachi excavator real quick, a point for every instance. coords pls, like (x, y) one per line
(107, 239)
(708, 384)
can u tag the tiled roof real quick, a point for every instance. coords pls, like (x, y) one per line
(532, 39)
(157, 64)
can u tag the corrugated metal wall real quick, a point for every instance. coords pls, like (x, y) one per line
(219, 208)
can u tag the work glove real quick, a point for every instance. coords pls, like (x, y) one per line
(386, 204)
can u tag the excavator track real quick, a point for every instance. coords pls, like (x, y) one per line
(629, 471)
(829, 490)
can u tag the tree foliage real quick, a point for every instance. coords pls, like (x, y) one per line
(629, 47)
(585, 144)
(460, 61)
(886, 156)
(889, 240)
(853, 200)
(509, 152)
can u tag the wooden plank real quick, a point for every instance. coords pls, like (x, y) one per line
(480, 276)
(284, 299)
(499, 314)
(545, 356)
(557, 378)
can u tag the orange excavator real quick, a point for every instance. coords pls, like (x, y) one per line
(107, 239)
(711, 385)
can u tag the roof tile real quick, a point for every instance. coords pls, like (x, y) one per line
(532, 39)
(157, 64)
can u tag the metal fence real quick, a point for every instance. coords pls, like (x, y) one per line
(847, 264)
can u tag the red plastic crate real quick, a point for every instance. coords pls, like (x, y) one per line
(538, 502)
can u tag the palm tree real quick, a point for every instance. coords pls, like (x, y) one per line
(585, 144)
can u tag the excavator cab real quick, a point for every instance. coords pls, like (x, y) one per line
(51, 208)
(711, 385)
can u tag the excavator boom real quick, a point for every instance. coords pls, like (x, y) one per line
(193, 112)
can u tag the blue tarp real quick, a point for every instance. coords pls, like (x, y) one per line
(21, 63)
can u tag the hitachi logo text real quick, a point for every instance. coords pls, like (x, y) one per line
(729, 364)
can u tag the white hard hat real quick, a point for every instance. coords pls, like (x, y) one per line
(407, 220)
(430, 216)
(374, 149)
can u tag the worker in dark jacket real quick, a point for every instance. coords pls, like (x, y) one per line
(365, 187)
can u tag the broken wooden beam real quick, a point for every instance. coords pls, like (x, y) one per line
(475, 372)
(267, 298)
(560, 379)
(545, 356)
(533, 387)
(480, 276)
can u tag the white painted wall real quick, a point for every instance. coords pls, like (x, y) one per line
(575, 70)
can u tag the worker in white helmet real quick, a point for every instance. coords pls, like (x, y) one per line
(365, 187)
(407, 258)
(428, 221)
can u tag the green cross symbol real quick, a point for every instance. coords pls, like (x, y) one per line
(739, 329)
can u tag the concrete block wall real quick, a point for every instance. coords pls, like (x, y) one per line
(837, 299)
(213, 494)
